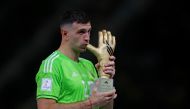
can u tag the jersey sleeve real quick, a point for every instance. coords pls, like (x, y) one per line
(48, 81)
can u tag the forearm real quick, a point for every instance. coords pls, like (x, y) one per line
(79, 105)
(109, 105)
(53, 105)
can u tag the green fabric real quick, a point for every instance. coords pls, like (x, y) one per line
(65, 80)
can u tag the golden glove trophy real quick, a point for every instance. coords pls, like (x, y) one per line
(105, 49)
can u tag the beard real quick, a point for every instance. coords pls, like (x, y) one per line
(80, 48)
(83, 48)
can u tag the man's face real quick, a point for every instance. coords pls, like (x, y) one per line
(79, 36)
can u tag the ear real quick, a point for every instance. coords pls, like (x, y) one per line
(64, 34)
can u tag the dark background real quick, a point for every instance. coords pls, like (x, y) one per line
(152, 48)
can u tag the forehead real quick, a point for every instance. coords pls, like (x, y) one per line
(78, 26)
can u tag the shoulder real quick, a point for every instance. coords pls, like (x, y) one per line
(50, 62)
(52, 58)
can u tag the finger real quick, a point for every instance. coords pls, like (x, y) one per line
(113, 42)
(110, 63)
(109, 37)
(108, 99)
(108, 69)
(97, 83)
(115, 96)
(112, 58)
(94, 90)
(97, 66)
(95, 87)
(93, 49)
(105, 36)
(110, 72)
(109, 93)
(100, 34)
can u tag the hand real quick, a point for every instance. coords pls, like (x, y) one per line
(109, 68)
(99, 99)
(106, 41)
(105, 49)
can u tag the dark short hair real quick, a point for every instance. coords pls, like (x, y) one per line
(71, 16)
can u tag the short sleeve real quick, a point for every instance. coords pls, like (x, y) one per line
(48, 83)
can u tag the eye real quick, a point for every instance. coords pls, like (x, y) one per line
(89, 30)
(81, 31)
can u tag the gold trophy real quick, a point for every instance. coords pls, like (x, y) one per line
(105, 49)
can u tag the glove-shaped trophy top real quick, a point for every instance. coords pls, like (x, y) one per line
(106, 47)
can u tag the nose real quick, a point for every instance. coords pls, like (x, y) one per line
(87, 36)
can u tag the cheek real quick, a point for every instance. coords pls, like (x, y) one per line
(78, 39)
(75, 41)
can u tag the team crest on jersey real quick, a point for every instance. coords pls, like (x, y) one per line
(46, 84)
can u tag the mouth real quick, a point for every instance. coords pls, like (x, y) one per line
(84, 46)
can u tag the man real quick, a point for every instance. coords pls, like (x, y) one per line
(64, 79)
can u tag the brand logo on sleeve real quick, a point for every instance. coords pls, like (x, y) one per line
(46, 84)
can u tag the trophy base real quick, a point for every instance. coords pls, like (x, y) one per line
(105, 84)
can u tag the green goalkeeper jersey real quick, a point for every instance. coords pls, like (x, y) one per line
(65, 80)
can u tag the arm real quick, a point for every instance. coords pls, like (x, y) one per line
(104, 53)
(109, 69)
(43, 103)
(108, 106)
(96, 100)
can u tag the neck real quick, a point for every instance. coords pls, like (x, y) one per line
(69, 52)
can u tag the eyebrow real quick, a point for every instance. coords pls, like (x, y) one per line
(85, 30)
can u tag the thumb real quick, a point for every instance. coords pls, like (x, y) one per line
(92, 49)
(97, 65)
(95, 87)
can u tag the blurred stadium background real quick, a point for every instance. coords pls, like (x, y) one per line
(152, 48)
